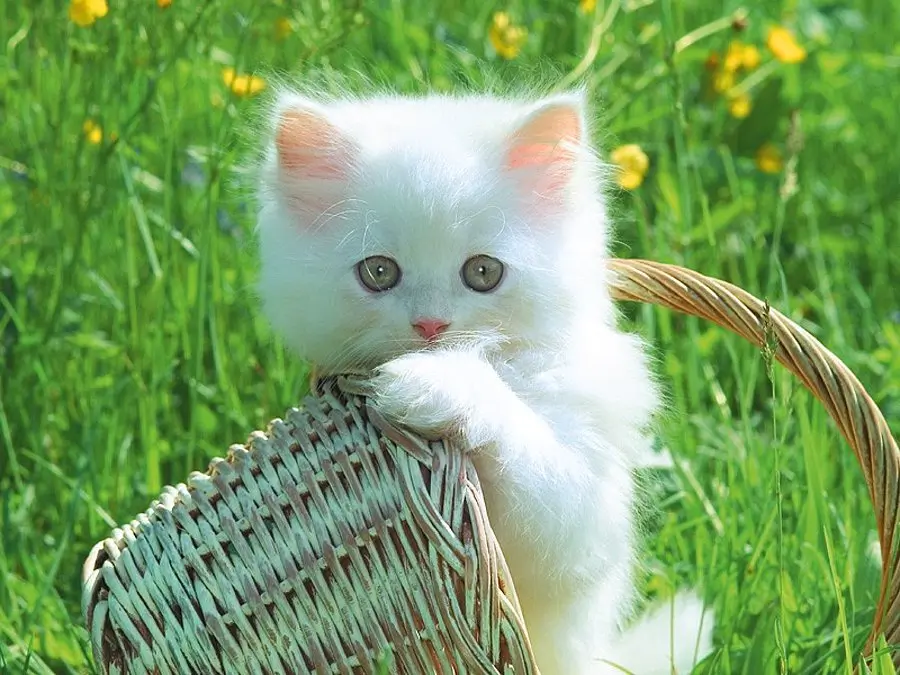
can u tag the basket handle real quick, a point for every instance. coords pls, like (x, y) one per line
(825, 375)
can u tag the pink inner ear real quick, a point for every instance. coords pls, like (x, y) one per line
(314, 161)
(542, 146)
(309, 146)
(536, 154)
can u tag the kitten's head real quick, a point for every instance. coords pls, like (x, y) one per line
(391, 224)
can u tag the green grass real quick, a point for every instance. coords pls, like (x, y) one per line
(132, 350)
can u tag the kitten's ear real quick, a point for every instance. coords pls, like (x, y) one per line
(314, 158)
(542, 152)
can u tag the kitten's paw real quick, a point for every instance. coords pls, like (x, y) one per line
(434, 393)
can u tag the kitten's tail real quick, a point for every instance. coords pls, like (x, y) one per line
(670, 639)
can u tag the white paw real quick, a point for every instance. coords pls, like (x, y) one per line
(434, 393)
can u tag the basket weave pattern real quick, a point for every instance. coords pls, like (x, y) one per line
(311, 549)
(334, 534)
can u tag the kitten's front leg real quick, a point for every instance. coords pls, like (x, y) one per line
(563, 522)
(440, 392)
(551, 509)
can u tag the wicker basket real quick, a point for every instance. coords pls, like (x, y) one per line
(334, 535)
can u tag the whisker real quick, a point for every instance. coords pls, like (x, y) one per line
(327, 215)
(323, 220)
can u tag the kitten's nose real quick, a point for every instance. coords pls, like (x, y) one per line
(430, 328)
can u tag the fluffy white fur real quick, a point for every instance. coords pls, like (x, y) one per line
(535, 376)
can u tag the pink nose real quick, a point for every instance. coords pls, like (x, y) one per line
(430, 328)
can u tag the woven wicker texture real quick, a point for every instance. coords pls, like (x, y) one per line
(334, 534)
(825, 375)
(310, 550)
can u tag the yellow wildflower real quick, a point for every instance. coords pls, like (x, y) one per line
(92, 131)
(506, 37)
(768, 159)
(782, 43)
(739, 106)
(741, 56)
(163, 3)
(282, 28)
(734, 57)
(86, 12)
(587, 6)
(242, 85)
(750, 58)
(722, 81)
(633, 165)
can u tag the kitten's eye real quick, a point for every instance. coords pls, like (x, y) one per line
(378, 273)
(482, 273)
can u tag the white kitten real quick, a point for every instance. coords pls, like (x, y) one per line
(456, 246)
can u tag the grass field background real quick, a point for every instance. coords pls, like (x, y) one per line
(132, 350)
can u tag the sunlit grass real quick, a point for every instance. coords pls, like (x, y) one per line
(132, 350)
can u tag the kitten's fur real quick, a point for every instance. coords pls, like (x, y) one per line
(535, 375)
